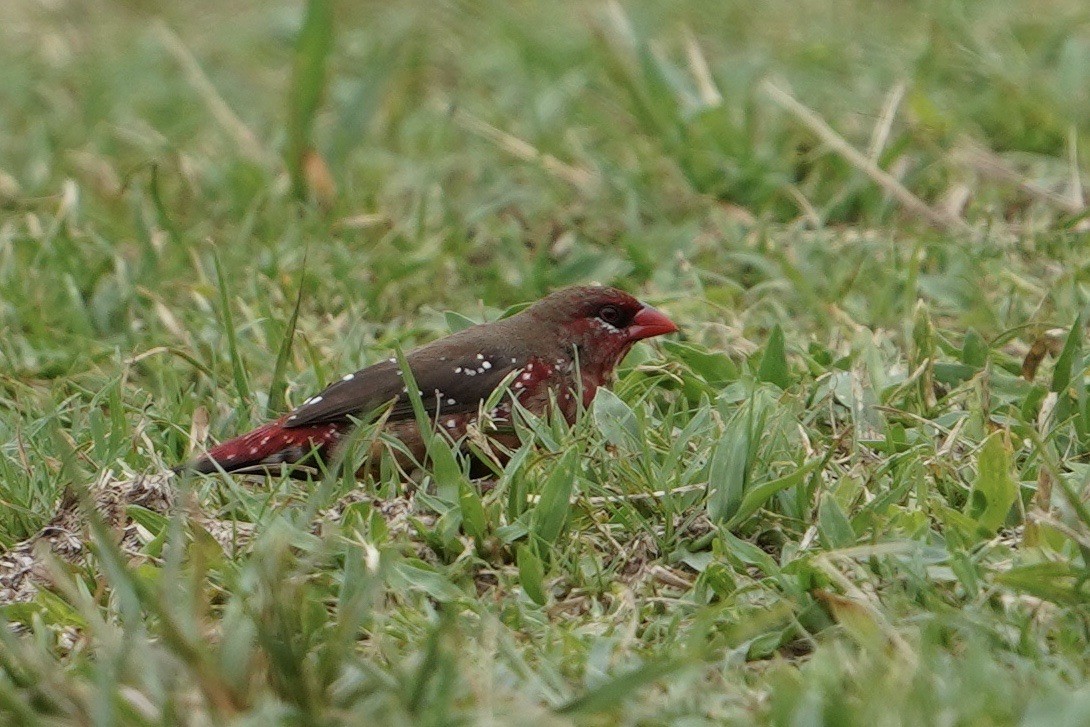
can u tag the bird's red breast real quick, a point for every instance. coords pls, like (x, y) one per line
(565, 346)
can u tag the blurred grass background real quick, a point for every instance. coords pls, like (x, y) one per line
(838, 499)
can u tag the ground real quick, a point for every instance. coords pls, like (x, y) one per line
(852, 490)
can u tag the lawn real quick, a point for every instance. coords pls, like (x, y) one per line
(853, 490)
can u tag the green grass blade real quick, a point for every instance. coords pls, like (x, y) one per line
(242, 386)
(449, 477)
(531, 575)
(623, 687)
(833, 525)
(308, 80)
(1065, 362)
(554, 504)
(773, 367)
(729, 471)
(279, 384)
(758, 495)
(994, 490)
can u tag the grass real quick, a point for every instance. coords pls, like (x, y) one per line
(852, 491)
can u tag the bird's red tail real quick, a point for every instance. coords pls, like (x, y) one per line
(269, 444)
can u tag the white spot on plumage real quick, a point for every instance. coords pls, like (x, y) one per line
(348, 377)
(265, 440)
(451, 423)
(404, 389)
(530, 366)
(457, 369)
(293, 417)
(514, 361)
(316, 400)
(480, 357)
(526, 376)
(486, 365)
(253, 450)
(451, 402)
(393, 360)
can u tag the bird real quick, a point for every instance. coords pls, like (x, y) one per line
(561, 348)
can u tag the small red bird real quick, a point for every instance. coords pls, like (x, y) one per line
(566, 343)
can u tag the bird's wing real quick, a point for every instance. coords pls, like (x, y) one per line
(450, 383)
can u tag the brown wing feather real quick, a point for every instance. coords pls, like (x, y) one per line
(461, 368)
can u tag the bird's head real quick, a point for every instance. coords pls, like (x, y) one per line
(601, 324)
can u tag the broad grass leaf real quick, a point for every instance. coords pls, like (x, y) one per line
(833, 525)
(154, 523)
(514, 481)
(551, 512)
(994, 489)
(474, 520)
(951, 373)
(150, 520)
(424, 578)
(773, 367)
(46, 605)
(758, 495)
(728, 471)
(1055, 581)
(622, 687)
(854, 617)
(747, 553)
(974, 350)
(1065, 362)
(531, 574)
(714, 367)
(458, 322)
(615, 419)
(733, 456)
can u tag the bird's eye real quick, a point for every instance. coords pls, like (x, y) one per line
(612, 315)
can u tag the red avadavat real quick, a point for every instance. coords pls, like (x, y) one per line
(565, 345)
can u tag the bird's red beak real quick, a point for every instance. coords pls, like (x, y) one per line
(649, 322)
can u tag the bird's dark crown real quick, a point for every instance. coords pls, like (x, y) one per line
(613, 306)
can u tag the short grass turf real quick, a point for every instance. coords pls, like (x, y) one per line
(851, 492)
